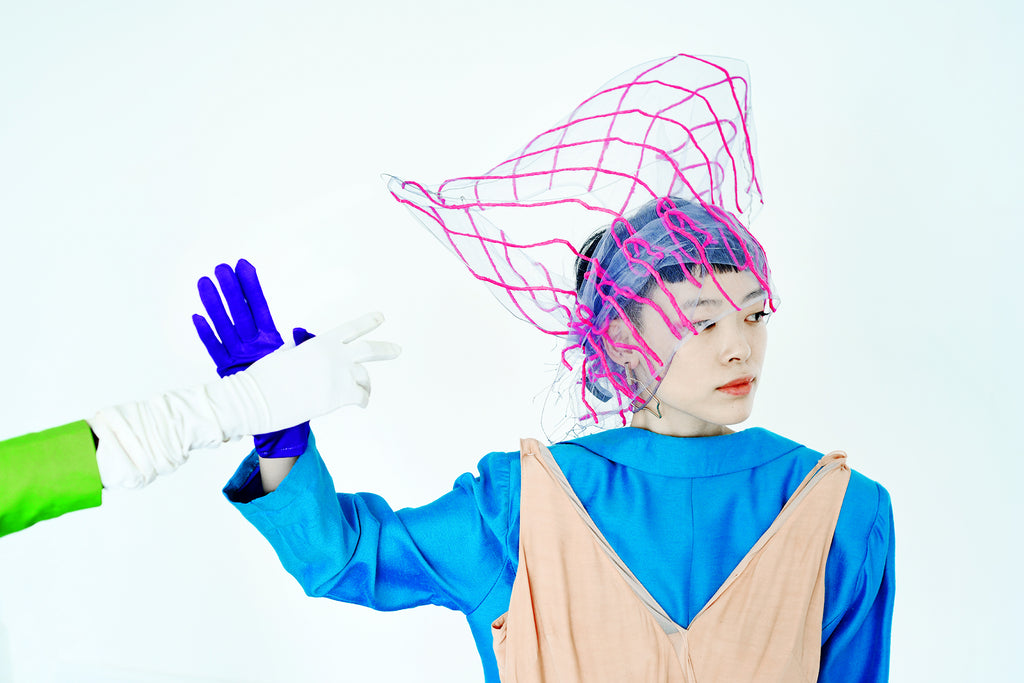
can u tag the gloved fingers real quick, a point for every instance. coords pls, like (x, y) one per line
(213, 346)
(362, 380)
(366, 351)
(361, 377)
(357, 328)
(363, 400)
(301, 334)
(210, 297)
(245, 327)
(253, 292)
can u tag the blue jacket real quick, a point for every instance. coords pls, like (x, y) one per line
(680, 512)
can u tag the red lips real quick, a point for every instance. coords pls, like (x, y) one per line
(738, 387)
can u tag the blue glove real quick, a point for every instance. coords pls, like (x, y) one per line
(251, 336)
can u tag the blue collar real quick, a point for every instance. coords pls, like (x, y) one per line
(674, 456)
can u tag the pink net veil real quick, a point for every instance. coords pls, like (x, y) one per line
(648, 182)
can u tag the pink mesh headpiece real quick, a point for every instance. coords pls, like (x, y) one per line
(663, 157)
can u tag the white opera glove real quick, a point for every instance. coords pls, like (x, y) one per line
(331, 372)
(140, 440)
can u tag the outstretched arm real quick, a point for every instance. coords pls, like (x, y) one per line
(62, 469)
(356, 548)
(140, 440)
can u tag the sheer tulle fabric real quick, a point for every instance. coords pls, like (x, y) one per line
(662, 158)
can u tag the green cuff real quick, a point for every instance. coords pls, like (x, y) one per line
(46, 474)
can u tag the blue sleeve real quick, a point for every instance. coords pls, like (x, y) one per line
(355, 548)
(858, 647)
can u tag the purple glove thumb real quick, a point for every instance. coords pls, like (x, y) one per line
(300, 334)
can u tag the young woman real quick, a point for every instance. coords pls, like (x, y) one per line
(671, 549)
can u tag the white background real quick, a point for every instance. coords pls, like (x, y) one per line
(142, 143)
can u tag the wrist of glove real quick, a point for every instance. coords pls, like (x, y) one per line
(286, 443)
(290, 442)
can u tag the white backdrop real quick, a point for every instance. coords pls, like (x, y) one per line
(143, 143)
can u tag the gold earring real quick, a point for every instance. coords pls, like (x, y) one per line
(634, 382)
(657, 406)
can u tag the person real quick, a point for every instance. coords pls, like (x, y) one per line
(669, 548)
(63, 469)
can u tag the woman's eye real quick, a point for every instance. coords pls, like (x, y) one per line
(702, 325)
(758, 317)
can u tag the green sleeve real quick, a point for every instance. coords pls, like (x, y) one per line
(46, 474)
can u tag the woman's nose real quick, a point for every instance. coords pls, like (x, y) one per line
(735, 345)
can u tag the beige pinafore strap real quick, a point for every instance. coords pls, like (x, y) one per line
(832, 462)
(764, 622)
(656, 610)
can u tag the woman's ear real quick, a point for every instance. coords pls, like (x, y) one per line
(620, 344)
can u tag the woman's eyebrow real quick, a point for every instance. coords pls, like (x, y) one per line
(697, 303)
(753, 296)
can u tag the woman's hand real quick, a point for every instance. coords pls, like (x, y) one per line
(249, 334)
(321, 375)
(246, 336)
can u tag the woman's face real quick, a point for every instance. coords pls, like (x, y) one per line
(712, 377)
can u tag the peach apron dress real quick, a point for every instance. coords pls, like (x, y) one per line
(577, 613)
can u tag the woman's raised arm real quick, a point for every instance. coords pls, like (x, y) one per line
(249, 337)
